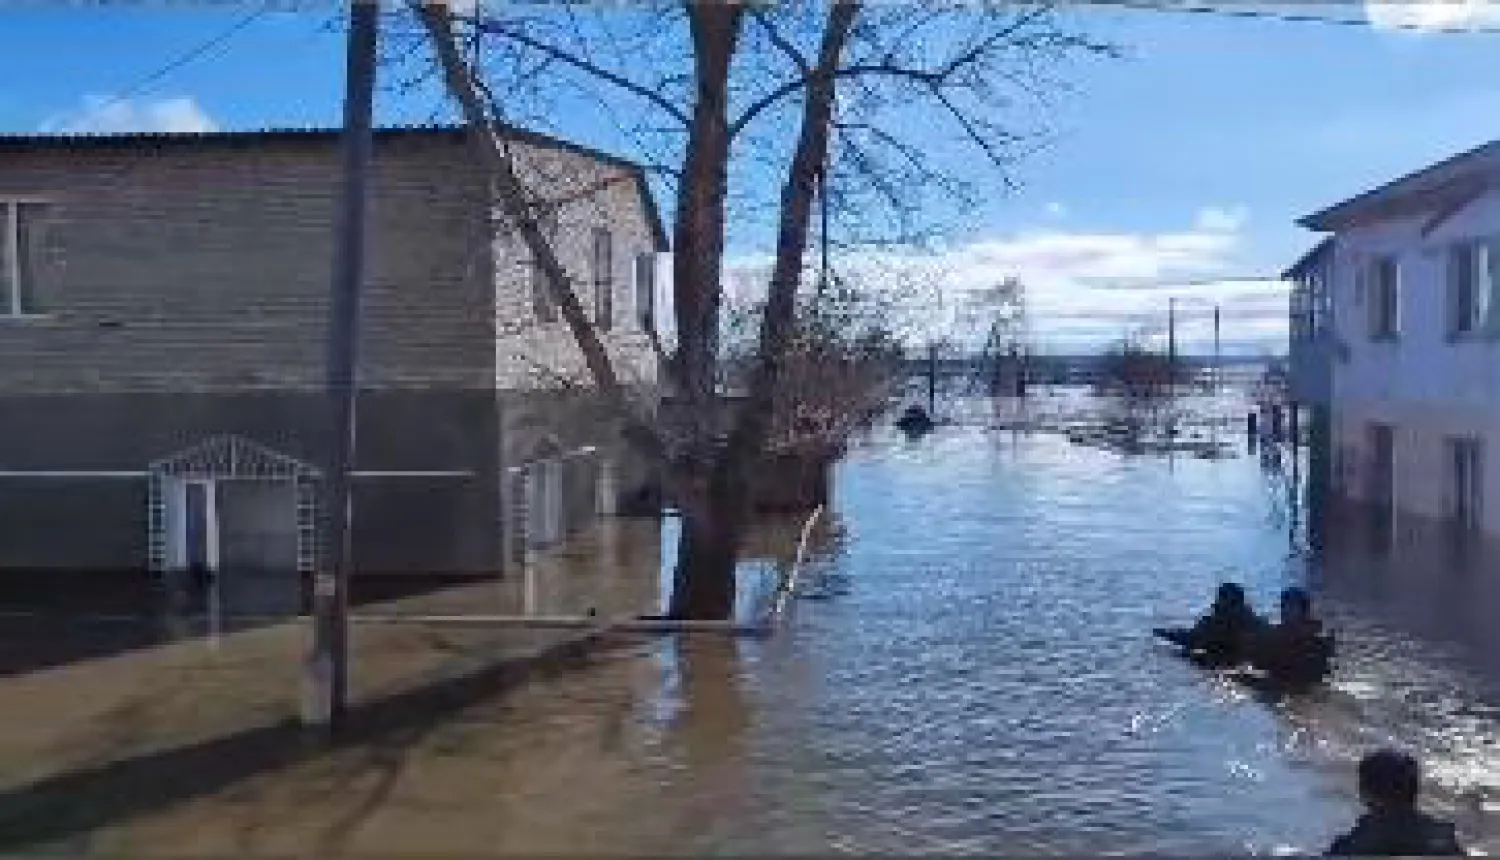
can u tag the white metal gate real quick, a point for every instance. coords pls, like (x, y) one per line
(231, 458)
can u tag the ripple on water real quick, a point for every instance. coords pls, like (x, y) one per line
(985, 682)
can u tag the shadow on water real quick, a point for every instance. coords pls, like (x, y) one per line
(50, 618)
(71, 804)
(984, 681)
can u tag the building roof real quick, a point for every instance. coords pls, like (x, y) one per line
(1310, 260)
(10, 142)
(1431, 187)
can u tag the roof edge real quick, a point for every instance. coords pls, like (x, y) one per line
(1329, 218)
(47, 140)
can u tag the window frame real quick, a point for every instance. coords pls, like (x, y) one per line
(603, 262)
(1471, 264)
(1385, 298)
(1465, 453)
(13, 306)
(645, 290)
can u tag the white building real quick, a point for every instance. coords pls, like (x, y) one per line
(1413, 344)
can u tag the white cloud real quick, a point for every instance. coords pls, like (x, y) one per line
(1433, 14)
(1056, 210)
(1083, 289)
(104, 115)
(1214, 219)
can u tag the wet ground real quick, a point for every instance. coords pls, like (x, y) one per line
(971, 672)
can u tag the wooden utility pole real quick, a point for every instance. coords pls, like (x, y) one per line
(329, 666)
(1218, 358)
(1171, 346)
(932, 373)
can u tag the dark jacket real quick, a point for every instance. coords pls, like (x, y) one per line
(1225, 636)
(1301, 654)
(1398, 834)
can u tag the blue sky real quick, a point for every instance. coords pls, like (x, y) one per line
(1187, 161)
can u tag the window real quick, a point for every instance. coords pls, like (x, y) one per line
(1381, 490)
(542, 305)
(1473, 278)
(604, 282)
(1385, 299)
(1465, 455)
(22, 227)
(645, 291)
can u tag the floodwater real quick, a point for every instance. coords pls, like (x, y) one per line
(969, 670)
(977, 676)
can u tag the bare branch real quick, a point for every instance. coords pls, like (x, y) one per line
(435, 17)
(617, 80)
(777, 39)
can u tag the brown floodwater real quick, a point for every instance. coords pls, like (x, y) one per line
(970, 671)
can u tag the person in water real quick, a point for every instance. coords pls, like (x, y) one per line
(1295, 650)
(1392, 825)
(1225, 635)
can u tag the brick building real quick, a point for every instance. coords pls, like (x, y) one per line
(163, 304)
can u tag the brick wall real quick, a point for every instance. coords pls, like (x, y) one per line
(187, 266)
(203, 263)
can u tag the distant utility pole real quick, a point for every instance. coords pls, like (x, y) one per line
(1171, 345)
(329, 666)
(932, 371)
(1218, 356)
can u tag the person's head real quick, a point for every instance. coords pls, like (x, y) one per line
(1230, 596)
(1296, 605)
(1389, 779)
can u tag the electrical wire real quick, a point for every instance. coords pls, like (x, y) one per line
(1292, 18)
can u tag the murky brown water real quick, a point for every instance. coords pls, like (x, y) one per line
(980, 679)
(970, 672)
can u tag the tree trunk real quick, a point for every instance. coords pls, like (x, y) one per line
(698, 237)
(708, 548)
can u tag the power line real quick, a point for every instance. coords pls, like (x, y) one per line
(198, 51)
(1290, 17)
(186, 57)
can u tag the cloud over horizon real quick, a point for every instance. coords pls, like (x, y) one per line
(1084, 289)
(1433, 14)
(99, 114)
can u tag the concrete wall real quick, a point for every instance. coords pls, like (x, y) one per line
(1422, 366)
(1422, 468)
(184, 284)
(1427, 386)
(436, 524)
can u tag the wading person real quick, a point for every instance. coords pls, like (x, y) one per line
(1295, 651)
(1225, 635)
(1389, 782)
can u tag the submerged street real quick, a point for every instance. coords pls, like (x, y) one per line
(976, 675)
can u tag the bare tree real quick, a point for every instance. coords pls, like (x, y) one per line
(730, 99)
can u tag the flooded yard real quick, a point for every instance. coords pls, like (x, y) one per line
(977, 677)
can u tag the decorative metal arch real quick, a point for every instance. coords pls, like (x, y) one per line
(234, 457)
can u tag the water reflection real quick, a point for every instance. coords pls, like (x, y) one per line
(982, 679)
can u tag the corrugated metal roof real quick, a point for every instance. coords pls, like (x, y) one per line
(24, 142)
(1482, 158)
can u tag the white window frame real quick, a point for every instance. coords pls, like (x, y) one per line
(1385, 327)
(1479, 317)
(645, 317)
(10, 237)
